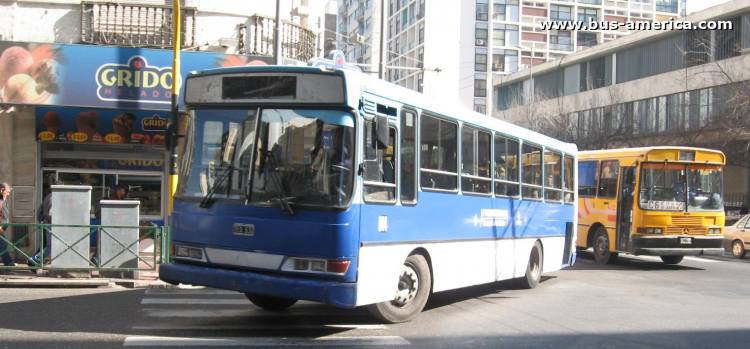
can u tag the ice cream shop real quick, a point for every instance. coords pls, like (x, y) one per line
(90, 115)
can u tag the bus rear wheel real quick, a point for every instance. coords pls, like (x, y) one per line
(270, 303)
(601, 247)
(533, 269)
(671, 259)
(414, 286)
(738, 249)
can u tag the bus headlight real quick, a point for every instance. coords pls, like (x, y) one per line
(654, 230)
(188, 252)
(714, 231)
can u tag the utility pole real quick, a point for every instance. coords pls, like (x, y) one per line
(277, 36)
(176, 46)
(383, 31)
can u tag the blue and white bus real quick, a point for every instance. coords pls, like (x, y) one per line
(328, 185)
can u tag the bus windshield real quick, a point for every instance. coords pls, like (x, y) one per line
(299, 157)
(680, 187)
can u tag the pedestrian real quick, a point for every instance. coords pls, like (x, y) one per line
(5, 218)
(47, 214)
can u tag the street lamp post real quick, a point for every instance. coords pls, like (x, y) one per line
(531, 77)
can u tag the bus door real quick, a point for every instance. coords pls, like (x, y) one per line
(625, 207)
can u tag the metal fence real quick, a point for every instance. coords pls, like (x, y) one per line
(63, 246)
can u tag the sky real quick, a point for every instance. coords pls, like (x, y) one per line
(698, 5)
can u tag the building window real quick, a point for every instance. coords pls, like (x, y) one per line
(499, 12)
(586, 39)
(666, 6)
(560, 13)
(592, 74)
(498, 37)
(599, 2)
(560, 40)
(480, 108)
(728, 43)
(483, 9)
(697, 47)
(480, 34)
(480, 60)
(480, 88)
(585, 15)
(498, 62)
(136, 26)
(421, 33)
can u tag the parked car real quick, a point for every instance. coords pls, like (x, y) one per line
(737, 237)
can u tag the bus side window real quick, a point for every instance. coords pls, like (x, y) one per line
(608, 179)
(379, 168)
(438, 160)
(587, 178)
(408, 153)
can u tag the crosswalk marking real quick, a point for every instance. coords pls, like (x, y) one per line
(195, 301)
(167, 327)
(687, 258)
(150, 341)
(194, 291)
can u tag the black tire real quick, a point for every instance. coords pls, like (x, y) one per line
(671, 259)
(533, 268)
(414, 287)
(601, 247)
(738, 249)
(270, 303)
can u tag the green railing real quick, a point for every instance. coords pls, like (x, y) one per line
(36, 231)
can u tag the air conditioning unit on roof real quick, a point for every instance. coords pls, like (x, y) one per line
(481, 42)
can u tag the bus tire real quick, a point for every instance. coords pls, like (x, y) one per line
(533, 268)
(270, 303)
(414, 286)
(671, 259)
(601, 247)
(738, 249)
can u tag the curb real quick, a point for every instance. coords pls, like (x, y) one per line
(34, 281)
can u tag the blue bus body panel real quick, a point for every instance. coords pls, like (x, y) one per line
(310, 234)
(460, 217)
(334, 293)
(307, 233)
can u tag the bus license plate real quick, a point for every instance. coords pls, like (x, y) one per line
(243, 229)
(686, 241)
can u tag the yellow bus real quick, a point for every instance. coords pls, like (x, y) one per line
(657, 201)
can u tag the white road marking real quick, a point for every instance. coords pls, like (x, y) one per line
(687, 258)
(196, 301)
(163, 327)
(175, 291)
(149, 341)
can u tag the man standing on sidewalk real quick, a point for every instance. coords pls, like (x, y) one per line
(5, 218)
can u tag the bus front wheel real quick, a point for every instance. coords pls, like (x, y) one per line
(270, 303)
(671, 259)
(533, 269)
(601, 247)
(414, 285)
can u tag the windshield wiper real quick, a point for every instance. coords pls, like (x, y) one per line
(274, 174)
(653, 183)
(206, 203)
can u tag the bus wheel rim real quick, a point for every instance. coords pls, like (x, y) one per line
(408, 286)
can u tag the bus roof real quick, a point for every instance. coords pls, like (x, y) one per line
(644, 152)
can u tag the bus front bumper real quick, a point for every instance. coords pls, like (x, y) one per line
(335, 293)
(680, 245)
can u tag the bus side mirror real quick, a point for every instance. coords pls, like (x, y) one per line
(381, 131)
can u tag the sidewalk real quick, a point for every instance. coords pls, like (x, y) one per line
(47, 278)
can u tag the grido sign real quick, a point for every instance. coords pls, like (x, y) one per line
(99, 76)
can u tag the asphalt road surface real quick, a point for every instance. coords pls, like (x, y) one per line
(637, 303)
